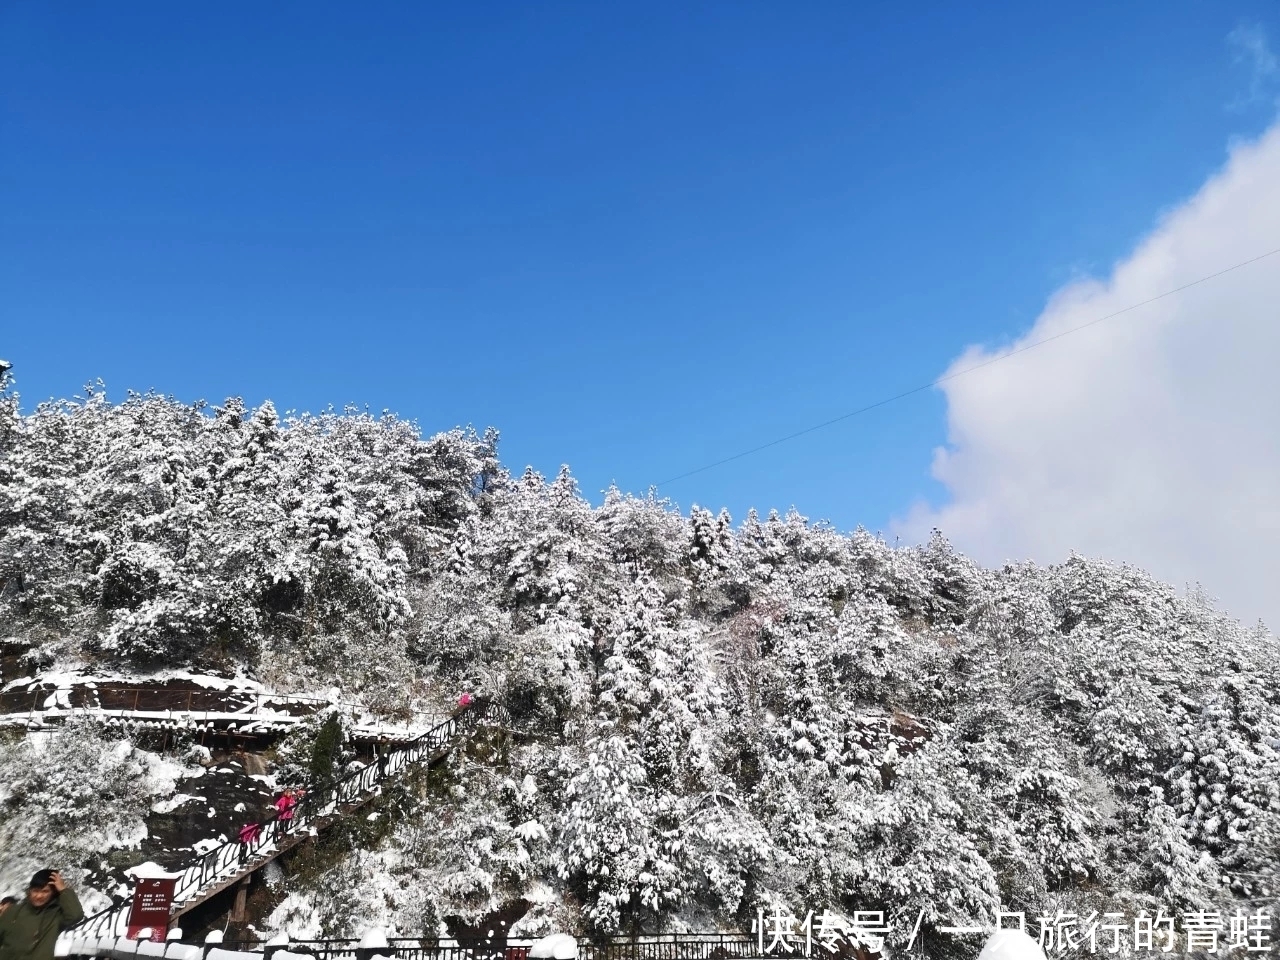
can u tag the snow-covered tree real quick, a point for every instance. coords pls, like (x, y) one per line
(713, 719)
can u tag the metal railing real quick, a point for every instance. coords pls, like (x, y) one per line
(675, 946)
(316, 808)
(399, 948)
(678, 946)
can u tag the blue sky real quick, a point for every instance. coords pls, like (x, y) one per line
(635, 239)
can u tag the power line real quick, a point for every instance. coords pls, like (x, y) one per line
(960, 373)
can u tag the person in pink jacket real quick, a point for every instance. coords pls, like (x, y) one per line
(249, 834)
(285, 803)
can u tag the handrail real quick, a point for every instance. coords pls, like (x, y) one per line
(234, 856)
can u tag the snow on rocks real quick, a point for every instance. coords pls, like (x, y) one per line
(151, 871)
(173, 803)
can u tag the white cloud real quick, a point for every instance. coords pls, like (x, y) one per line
(1251, 51)
(1152, 438)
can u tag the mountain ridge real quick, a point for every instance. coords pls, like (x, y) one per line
(1094, 740)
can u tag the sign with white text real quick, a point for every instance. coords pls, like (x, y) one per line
(152, 899)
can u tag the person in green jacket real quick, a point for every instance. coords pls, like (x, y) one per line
(28, 930)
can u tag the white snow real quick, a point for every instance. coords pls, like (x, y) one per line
(173, 803)
(1010, 945)
(150, 870)
(297, 915)
(558, 946)
(373, 938)
(531, 830)
(829, 624)
(73, 677)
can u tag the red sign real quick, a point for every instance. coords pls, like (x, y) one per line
(152, 898)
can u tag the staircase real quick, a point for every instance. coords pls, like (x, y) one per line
(234, 862)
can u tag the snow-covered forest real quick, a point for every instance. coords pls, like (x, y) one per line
(704, 703)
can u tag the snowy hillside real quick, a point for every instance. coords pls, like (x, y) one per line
(714, 716)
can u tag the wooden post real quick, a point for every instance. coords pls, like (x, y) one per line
(239, 907)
